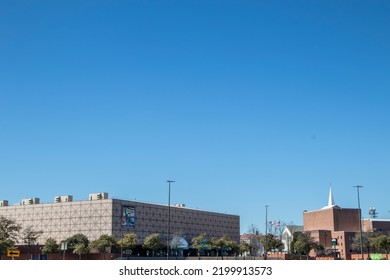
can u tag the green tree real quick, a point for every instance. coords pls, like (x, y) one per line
(302, 247)
(104, 243)
(303, 243)
(296, 235)
(356, 243)
(30, 237)
(129, 241)
(223, 244)
(200, 243)
(9, 233)
(80, 249)
(75, 240)
(51, 246)
(153, 242)
(278, 245)
(268, 242)
(271, 243)
(381, 243)
(244, 248)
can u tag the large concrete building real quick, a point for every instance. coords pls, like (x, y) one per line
(100, 215)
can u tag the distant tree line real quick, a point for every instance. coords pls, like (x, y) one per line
(302, 243)
(373, 242)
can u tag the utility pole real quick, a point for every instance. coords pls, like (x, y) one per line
(266, 232)
(360, 221)
(169, 215)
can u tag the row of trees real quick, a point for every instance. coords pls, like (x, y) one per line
(221, 246)
(12, 233)
(373, 242)
(79, 244)
(269, 242)
(301, 244)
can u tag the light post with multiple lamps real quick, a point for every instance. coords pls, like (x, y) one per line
(360, 221)
(169, 215)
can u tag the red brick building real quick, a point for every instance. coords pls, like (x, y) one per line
(377, 225)
(333, 222)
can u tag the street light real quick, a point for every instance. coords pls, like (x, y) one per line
(169, 215)
(360, 221)
(266, 232)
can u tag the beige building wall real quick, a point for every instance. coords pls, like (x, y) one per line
(185, 222)
(64, 219)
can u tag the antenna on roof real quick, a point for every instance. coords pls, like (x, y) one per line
(372, 212)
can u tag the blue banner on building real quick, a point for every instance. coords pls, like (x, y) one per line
(128, 216)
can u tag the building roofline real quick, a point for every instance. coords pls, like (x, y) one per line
(118, 199)
(326, 208)
(377, 220)
(174, 206)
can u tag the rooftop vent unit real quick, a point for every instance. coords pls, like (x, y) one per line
(98, 196)
(180, 205)
(3, 203)
(63, 198)
(30, 201)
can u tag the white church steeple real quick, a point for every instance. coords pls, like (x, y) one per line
(331, 203)
(331, 199)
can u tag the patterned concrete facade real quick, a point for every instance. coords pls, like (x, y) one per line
(184, 222)
(64, 219)
(117, 217)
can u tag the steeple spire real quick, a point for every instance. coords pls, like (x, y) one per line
(331, 203)
(331, 199)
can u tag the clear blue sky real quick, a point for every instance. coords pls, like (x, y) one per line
(243, 103)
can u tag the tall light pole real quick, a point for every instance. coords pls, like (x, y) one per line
(360, 221)
(266, 232)
(169, 215)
